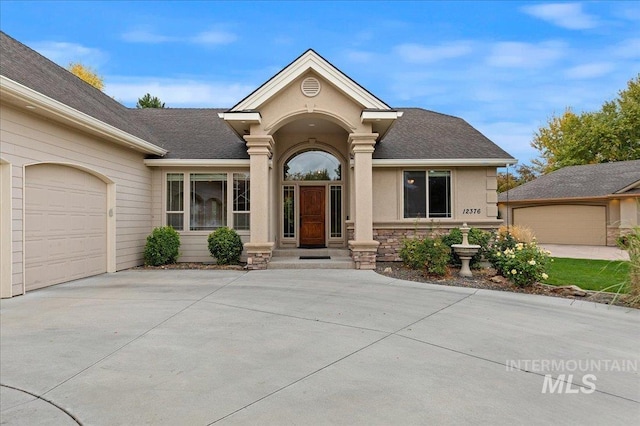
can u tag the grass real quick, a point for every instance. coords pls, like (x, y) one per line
(588, 274)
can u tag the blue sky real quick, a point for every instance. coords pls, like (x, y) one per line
(505, 67)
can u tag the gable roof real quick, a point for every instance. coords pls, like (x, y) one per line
(591, 180)
(421, 133)
(310, 60)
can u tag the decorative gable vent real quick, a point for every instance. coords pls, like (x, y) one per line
(310, 87)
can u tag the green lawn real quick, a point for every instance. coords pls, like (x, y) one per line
(588, 274)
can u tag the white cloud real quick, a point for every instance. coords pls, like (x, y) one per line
(214, 37)
(629, 48)
(525, 55)
(417, 53)
(144, 36)
(63, 53)
(565, 15)
(592, 70)
(176, 92)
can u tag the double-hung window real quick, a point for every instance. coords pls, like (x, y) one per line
(206, 201)
(427, 194)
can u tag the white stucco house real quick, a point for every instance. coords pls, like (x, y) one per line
(308, 159)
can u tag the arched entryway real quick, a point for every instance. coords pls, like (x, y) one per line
(312, 197)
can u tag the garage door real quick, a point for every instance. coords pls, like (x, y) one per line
(565, 224)
(65, 225)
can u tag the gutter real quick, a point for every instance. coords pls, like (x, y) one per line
(496, 162)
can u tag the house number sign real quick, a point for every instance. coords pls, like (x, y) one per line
(471, 211)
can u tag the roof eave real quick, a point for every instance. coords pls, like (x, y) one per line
(442, 162)
(11, 90)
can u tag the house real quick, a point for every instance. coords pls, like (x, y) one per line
(592, 204)
(309, 159)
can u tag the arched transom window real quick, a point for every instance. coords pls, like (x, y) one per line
(313, 165)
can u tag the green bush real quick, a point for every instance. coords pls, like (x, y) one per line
(476, 236)
(523, 263)
(162, 246)
(431, 254)
(225, 245)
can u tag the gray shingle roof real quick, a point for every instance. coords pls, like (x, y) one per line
(426, 134)
(27, 67)
(201, 134)
(192, 133)
(591, 180)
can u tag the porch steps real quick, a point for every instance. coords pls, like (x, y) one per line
(290, 259)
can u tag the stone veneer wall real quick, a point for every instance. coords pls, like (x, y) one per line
(613, 232)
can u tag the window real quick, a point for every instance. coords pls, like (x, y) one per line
(208, 201)
(336, 211)
(212, 199)
(241, 208)
(288, 208)
(427, 192)
(175, 200)
(312, 165)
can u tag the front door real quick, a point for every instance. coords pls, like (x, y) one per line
(312, 223)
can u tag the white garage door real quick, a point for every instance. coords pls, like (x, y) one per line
(65, 225)
(565, 224)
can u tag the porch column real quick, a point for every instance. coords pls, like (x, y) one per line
(363, 247)
(259, 247)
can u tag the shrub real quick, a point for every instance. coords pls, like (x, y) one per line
(225, 245)
(522, 262)
(476, 236)
(430, 253)
(633, 248)
(162, 246)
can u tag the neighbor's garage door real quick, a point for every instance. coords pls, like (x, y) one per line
(565, 224)
(65, 225)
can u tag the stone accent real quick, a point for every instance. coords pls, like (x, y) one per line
(258, 255)
(258, 261)
(364, 253)
(613, 232)
(390, 240)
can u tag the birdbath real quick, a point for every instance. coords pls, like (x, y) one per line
(465, 251)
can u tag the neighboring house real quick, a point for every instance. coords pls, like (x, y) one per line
(309, 159)
(591, 204)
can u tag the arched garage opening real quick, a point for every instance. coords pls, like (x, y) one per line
(66, 231)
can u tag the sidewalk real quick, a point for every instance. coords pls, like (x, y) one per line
(586, 252)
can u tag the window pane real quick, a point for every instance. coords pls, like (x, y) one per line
(241, 221)
(208, 201)
(415, 195)
(241, 192)
(439, 194)
(288, 212)
(313, 165)
(176, 220)
(174, 192)
(336, 211)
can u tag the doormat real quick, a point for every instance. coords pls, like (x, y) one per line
(315, 257)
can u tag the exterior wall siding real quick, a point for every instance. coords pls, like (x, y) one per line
(27, 139)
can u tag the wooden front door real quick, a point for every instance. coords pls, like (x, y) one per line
(312, 221)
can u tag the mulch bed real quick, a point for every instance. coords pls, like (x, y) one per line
(488, 279)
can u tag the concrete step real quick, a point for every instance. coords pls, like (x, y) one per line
(295, 263)
(290, 259)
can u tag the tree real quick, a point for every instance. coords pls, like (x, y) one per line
(148, 101)
(522, 173)
(610, 134)
(87, 74)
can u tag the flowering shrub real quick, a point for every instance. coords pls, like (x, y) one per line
(430, 253)
(523, 263)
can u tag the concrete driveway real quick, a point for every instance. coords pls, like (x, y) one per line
(311, 347)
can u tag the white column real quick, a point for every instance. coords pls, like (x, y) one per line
(363, 246)
(259, 247)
